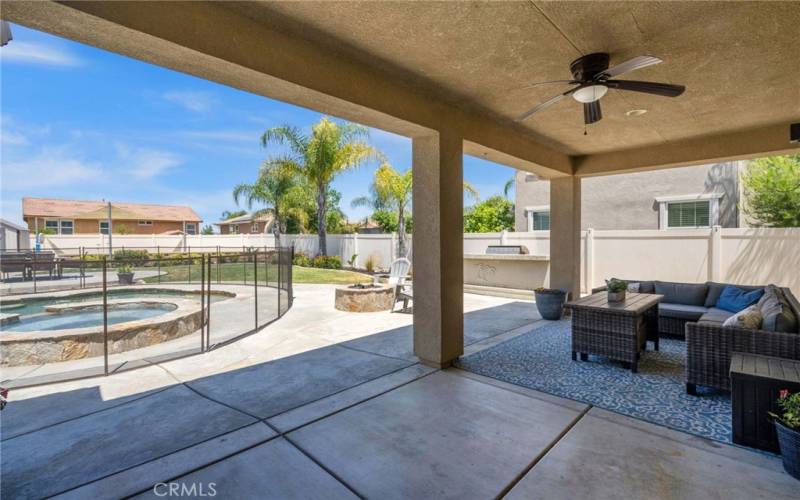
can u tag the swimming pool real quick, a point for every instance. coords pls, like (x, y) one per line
(86, 318)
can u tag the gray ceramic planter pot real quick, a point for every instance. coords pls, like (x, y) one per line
(550, 303)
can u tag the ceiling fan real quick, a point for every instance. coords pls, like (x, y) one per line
(592, 78)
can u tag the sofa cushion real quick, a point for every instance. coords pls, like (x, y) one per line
(690, 294)
(714, 289)
(749, 318)
(634, 287)
(776, 312)
(735, 299)
(715, 316)
(681, 311)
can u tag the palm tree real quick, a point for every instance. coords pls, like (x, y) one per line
(274, 187)
(509, 185)
(332, 148)
(391, 190)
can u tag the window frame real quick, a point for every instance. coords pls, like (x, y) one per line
(529, 215)
(59, 226)
(665, 201)
(193, 225)
(144, 222)
(100, 226)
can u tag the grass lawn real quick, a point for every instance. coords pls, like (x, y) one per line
(244, 273)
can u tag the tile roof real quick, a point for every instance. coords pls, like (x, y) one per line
(78, 209)
(246, 218)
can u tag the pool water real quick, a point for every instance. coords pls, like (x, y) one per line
(38, 305)
(82, 319)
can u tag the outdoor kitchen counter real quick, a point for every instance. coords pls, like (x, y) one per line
(518, 271)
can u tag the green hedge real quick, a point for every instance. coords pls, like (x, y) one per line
(321, 261)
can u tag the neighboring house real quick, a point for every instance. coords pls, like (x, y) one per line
(246, 224)
(368, 226)
(13, 237)
(677, 198)
(91, 217)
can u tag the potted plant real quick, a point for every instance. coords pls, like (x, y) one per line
(787, 426)
(125, 274)
(616, 290)
(550, 302)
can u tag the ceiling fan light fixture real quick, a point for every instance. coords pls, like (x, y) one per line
(635, 112)
(589, 94)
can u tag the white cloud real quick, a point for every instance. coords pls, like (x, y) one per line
(223, 135)
(191, 99)
(51, 167)
(46, 54)
(12, 138)
(146, 163)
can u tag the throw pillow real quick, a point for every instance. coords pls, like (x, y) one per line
(633, 287)
(735, 299)
(770, 306)
(749, 318)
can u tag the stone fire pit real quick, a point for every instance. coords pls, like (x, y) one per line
(364, 298)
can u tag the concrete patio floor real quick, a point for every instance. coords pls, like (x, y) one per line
(326, 404)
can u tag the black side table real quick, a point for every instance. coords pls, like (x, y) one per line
(755, 383)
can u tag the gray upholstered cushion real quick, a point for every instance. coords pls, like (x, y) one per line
(716, 316)
(690, 294)
(681, 311)
(776, 313)
(715, 289)
(749, 318)
(633, 287)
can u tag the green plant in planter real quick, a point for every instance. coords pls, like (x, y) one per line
(615, 285)
(542, 289)
(790, 404)
(125, 269)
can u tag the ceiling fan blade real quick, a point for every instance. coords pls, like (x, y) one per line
(546, 104)
(662, 89)
(530, 85)
(630, 65)
(592, 113)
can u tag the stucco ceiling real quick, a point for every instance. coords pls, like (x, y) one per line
(738, 60)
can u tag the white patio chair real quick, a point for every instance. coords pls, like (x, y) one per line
(397, 278)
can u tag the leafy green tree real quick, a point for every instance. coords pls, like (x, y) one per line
(227, 214)
(391, 192)
(275, 187)
(772, 191)
(509, 185)
(332, 148)
(490, 216)
(207, 230)
(388, 221)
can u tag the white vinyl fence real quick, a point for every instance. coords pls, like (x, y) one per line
(743, 256)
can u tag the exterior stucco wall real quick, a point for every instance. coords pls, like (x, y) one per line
(628, 201)
(91, 226)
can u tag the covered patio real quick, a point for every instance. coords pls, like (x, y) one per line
(378, 422)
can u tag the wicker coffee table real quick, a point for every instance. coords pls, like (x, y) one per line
(617, 330)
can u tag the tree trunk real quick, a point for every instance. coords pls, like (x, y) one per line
(322, 202)
(401, 232)
(276, 229)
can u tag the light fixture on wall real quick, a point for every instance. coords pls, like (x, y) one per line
(635, 112)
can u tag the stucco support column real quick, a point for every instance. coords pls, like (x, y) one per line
(438, 249)
(565, 234)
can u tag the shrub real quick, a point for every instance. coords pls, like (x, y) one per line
(132, 257)
(327, 262)
(301, 259)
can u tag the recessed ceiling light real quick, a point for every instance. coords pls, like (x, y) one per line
(636, 112)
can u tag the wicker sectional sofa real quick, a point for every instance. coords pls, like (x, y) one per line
(687, 310)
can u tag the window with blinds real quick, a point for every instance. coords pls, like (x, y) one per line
(688, 214)
(541, 221)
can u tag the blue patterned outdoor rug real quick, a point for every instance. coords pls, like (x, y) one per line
(541, 360)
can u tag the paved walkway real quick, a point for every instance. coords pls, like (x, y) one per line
(325, 404)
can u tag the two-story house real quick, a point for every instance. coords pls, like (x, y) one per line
(678, 198)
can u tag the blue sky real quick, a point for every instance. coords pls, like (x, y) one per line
(79, 122)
